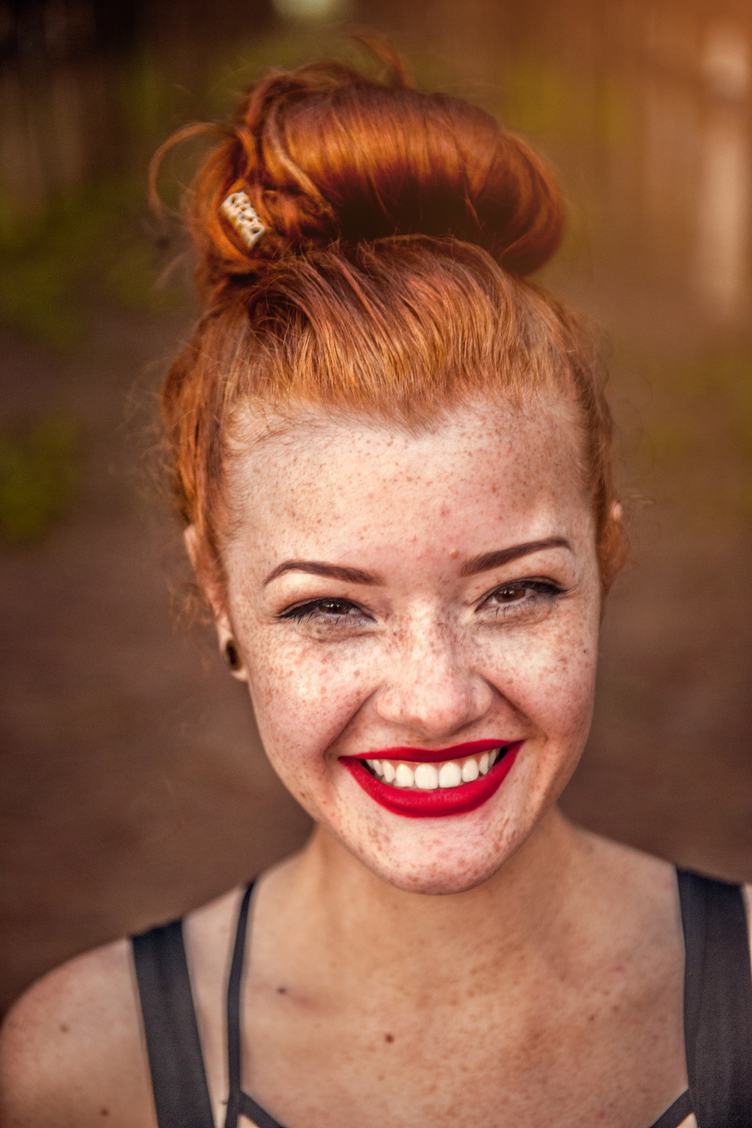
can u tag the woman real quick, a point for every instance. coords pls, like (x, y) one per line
(391, 454)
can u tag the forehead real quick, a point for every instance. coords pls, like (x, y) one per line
(315, 480)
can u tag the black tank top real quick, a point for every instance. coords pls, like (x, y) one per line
(717, 1018)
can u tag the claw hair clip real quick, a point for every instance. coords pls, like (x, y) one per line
(237, 208)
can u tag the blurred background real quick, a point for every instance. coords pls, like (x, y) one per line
(133, 787)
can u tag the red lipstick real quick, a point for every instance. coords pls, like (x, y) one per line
(415, 803)
(431, 756)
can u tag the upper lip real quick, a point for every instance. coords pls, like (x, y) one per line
(431, 755)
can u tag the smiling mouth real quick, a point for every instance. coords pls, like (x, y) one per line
(419, 783)
(441, 776)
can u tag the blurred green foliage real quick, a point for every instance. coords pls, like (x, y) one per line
(549, 101)
(39, 476)
(92, 245)
(695, 441)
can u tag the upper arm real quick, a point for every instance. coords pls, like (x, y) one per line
(71, 1053)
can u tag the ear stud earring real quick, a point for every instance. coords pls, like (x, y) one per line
(232, 655)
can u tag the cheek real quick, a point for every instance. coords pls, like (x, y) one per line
(549, 676)
(302, 701)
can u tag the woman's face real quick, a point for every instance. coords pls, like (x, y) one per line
(416, 600)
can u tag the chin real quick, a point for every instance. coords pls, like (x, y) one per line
(437, 870)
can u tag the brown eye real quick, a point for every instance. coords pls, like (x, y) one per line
(520, 597)
(334, 607)
(325, 611)
(510, 594)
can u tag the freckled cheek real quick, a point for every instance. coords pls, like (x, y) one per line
(549, 679)
(302, 704)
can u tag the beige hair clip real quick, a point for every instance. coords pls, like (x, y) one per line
(237, 208)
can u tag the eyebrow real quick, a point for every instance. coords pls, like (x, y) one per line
(471, 567)
(501, 556)
(319, 568)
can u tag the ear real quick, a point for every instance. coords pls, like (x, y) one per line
(222, 624)
(230, 649)
(192, 544)
(612, 549)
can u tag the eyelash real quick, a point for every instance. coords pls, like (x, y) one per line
(545, 590)
(313, 610)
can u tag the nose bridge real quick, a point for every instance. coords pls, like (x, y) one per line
(431, 683)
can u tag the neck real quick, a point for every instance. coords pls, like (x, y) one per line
(521, 915)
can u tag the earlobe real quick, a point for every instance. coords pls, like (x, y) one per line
(227, 643)
(231, 651)
(233, 659)
(612, 548)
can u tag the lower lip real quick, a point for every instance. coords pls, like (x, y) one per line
(440, 802)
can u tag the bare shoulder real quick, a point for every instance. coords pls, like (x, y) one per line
(71, 1051)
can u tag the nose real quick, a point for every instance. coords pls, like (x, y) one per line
(430, 688)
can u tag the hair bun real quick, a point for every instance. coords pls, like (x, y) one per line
(326, 153)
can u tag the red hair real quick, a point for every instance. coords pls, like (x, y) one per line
(391, 277)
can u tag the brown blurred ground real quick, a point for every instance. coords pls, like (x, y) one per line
(133, 783)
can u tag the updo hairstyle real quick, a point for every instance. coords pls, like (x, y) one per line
(391, 279)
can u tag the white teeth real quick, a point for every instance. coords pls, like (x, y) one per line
(470, 770)
(430, 777)
(426, 777)
(404, 776)
(450, 774)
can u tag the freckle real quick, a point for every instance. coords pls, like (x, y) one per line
(64, 1028)
(104, 1112)
(281, 990)
(389, 1037)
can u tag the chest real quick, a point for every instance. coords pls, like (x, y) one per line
(597, 1057)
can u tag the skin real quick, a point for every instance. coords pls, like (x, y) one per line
(425, 656)
(512, 963)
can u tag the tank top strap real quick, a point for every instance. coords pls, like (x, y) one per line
(717, 1001)
(181, 1094)
(236, 1097)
